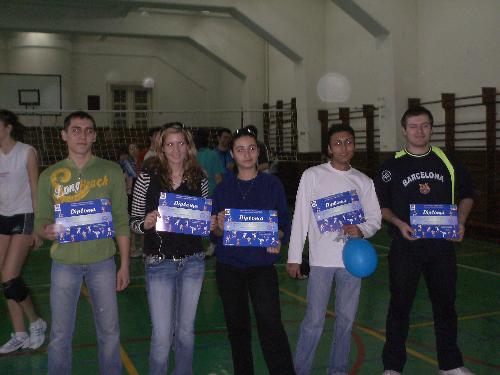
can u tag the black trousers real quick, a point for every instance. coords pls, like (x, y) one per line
(436, 261)
(261, 285)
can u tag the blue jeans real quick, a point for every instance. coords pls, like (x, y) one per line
(65, 286)
(173, 289)
(319, 286)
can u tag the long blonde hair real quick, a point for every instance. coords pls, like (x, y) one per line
(192, 172)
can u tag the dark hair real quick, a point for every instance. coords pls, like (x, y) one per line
(252, 128)
(153, 131)
(242, 132)
(123, 150)
(201, 138)
(220, 131)
(416, 111)
(337, 128)
(10, 118)
(78, 114)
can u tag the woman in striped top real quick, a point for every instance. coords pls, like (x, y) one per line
(174, 262)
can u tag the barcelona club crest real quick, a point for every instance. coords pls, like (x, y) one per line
(424, 188)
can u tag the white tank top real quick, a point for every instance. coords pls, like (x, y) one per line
(15, 191)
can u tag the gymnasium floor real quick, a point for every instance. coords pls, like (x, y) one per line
(478, 306)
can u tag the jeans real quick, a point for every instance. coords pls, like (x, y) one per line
(436, 261)
(65, 286)
(347, 288)
(173, 289)
(261, 285)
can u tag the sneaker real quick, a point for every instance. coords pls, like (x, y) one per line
(136, 252)
(19, 340)
(456, 371)
(391, 372)
(37, 333)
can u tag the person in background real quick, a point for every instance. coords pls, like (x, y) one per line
(211, 164)
(84, 177)
(18, 185)
(153, 132)
(222, 149)
(264, 164)
(422, 174)
(128, 158)
(208, 159)
(174, 262)
(248, 273)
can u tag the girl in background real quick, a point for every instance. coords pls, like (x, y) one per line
(18, 183)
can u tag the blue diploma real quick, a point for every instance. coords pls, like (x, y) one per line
(333, 212)
(245, 227)
(184, 214)
(84, 220)
(434, 220)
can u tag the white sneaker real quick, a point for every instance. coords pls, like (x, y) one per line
(37, 333)
(19, 340)
(456, 371)
(391, 372)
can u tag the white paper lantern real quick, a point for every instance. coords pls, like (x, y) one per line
(148, 83)
(334, 88)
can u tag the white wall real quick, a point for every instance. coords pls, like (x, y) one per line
(459, 48)
(186, 79)
(431, 47)
(353, 52)
(41, 53)
(282, 85)
(3, 54)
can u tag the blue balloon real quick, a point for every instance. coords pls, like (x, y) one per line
(359, 256)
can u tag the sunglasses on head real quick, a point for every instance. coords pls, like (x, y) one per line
(244, 131)
(175, 125)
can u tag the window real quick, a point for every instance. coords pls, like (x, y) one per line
(130, 98)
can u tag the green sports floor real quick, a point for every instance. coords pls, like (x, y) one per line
(478, 307)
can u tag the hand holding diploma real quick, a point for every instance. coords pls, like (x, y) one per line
(220, 220)
(274, 250)
(51, 231)
(352, 230)
(461, 233)
(150, 219)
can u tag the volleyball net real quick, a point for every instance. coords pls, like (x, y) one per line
(118, 129)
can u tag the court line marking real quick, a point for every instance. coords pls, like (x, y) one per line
(369, 331)
(123, 354)
(380, 256)
(477, 269)
(471, 268)
(460, 318)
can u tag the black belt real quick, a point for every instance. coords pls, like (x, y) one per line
(158, 258)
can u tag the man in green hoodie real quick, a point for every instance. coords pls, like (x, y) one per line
(80, 251)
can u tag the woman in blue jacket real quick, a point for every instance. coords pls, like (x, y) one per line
(244, 271)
